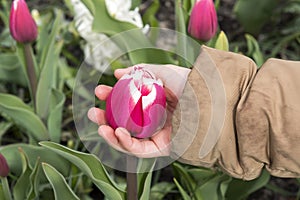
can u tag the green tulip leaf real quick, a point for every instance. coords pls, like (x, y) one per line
(57, 100)
(182, 191)
(12, 155)
(161, 189)
(60, 187)
(34, 179)
(91, 166)
(4, 126)
(240, 189)
(23, 116)
(201, 174)
(132, 39)
(149, 17)
(144, 179)
(215, 187)
(48, 80)
(183, 41)
(10, 69)
(21, 187)
(254, 50)
(108, 24)
(182, 175)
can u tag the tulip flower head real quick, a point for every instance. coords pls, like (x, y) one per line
(137, 102)
(21, 24)
(4, 169)
(203, 20)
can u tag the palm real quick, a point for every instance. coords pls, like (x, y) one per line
(120, 139)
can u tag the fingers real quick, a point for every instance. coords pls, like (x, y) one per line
(172, 99)
(120, 72)
(108, 134)
(102, 91)
(97, 116)
(122, 141)
(141, 148)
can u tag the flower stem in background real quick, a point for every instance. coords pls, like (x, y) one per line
(5, 188)
(30, 70)
(131, 178)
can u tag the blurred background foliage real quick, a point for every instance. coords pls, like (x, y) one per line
(256, 28)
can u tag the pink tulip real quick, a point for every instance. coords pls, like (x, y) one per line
(21, 24)
(4, 169)
(138, 103)
(203, 20)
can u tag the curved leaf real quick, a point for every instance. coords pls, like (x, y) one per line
(24, 116)
(254, 50)
(60, 187)
(90, 166)
(21, 186)
(12, 155)
(107, 25)
(10, 69)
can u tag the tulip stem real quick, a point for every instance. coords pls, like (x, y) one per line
(5, 188)
(132, 189)
(30, 71)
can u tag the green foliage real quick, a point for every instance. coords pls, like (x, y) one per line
(10, 69)
(253, 14)
(58, 183)
(254, 50)
(24, 116)
(58, 169)
(144, 179)
(200, 183)
(33, 152)
(132, 40)
(91, 167)
(149, 16)
(161, 189)
(239, 189)
(48, 67)
(22, 189)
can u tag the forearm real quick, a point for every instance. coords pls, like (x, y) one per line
(268, 120)
(205, 133)
(242, 121)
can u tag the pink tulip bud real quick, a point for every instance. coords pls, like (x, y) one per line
(4, 169)
(21, 24)
(203, 20)
(138, 103)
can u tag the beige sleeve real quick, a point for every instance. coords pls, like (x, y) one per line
(268, 127)
(240, 121)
